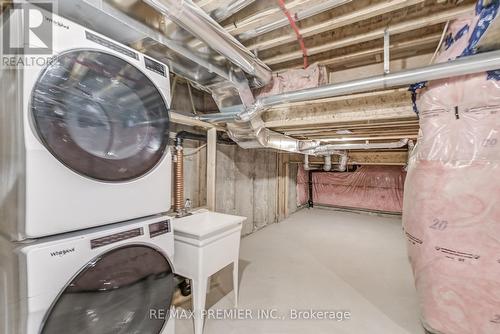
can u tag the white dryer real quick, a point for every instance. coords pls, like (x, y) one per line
(83, 139)
(115, 279)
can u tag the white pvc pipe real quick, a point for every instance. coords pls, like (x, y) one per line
(328, 163)
(306, 162)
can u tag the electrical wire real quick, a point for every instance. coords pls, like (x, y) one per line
(293, 24)
(198, 149)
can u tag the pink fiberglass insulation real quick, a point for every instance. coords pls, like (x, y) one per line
(451, 212)
(369, 187)
(294, 79)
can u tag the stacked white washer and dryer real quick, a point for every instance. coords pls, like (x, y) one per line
(85, 180)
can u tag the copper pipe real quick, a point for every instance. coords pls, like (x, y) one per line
(179, 179)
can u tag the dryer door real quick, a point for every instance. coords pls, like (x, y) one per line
(116, 294)
(100, 116)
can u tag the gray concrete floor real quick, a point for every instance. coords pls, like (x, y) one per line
(321, 260)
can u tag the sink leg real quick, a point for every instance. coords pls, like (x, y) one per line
(236, 282)
(199, 298)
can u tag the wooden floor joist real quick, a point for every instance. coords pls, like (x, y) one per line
(342, 98)
(210, 5)
(337, 22)
(394, 29)
(186, 120)
(395, 47)
(267, 16)
(320, 121)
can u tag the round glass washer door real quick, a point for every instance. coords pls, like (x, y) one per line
(116, 294)
(100, 116)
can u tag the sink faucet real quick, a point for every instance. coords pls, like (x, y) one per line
(185, 210)
(187, 205)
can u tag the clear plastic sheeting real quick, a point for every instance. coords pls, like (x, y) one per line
(451, 214)
(376, 188)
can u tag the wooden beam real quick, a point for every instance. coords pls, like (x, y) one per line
(210, 5)
(349, 139)
(352, 127)
(266, 16)
(375, 34)
(342, 98)
(338, 118)
(283, 179)
(189, 121)
(395, 47)
(337, 22)
(211, 167)
(491, 39)
(371, 135)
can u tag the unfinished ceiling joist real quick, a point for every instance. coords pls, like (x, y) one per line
(266, 16)
(375, 34)
(190, 121)
(338, 22)
(394, 47)
(297, 15)
(335, 119)
(342, 98)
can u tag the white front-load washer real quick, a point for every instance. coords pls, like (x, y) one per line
(115, 279)
(84, 137)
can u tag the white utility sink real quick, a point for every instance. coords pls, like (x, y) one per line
(206, 242)
(204, 224)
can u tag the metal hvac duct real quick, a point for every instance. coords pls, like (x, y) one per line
(228, 84)
(467, 65)
(136, 23)
(189, 16)
(247, 127)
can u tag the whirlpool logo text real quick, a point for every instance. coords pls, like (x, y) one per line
(62, 252)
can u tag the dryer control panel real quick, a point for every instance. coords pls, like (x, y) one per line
(159, 228)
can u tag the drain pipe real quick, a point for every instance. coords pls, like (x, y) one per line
(411, 146)
(342, 167)
(306, 162)
(328, 163)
